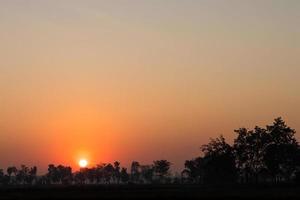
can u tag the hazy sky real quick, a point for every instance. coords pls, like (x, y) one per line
(141, 79)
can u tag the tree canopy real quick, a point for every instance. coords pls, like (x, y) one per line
(264, 154)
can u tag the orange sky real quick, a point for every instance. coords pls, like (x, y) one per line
(134, 80)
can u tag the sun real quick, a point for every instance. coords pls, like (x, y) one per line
(83, 163)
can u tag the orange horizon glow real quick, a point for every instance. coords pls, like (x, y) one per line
(113, 81)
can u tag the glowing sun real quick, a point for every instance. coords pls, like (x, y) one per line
(83, 163)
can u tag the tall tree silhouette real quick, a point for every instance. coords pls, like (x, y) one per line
(12, 170)
(218, 163)
(249, 149)
(91, 175)
(281, 154)
(32, 175)
(135, 171)
(80, 177)
(117, 173)
(99, 173)
(124, 175)
(147, 173)
(60, 174)
(161, 169)
(64, 174)
(22, 175)
(262, 151)
(1, 176)
(108, 173)
(52, 174)
(281, 133)
(193, 171)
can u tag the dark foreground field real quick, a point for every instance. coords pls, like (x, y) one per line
(152, 192)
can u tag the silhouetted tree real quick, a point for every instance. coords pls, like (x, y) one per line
(80, 177)
(161, 169)
(100, 173)
(59, 175)
(249, 149)
(177, 178)
(1, 176)
(266, 151)
(12, 171)
(193, 172)
(124, 175)
(281, 161)
(218, 163)
(297, 171)
(22, 175)
(91, 174)
(52, 174)
(42, 180)
(4, 179)
(135, 172)
(281, 154)
(64, 174)
(147, 173)
(108, 173)
(32, 175)
(281, 133)
(117, 173)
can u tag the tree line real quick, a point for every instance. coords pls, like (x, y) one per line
(263, 155)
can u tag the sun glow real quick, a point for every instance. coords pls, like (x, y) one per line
(83, 163)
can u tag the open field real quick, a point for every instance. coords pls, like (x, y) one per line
(151, 192)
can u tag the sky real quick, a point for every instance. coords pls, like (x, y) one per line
(141, 79)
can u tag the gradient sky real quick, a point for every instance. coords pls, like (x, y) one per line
(141, 79)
